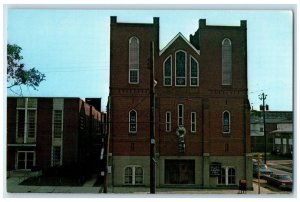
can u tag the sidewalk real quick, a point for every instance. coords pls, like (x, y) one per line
(13, 187)
(172, 191)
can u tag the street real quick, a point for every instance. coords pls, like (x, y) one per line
(278, 167)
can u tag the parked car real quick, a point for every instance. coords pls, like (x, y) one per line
(264, 170)
(282, 181)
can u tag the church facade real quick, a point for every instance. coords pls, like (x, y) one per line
(202, 112)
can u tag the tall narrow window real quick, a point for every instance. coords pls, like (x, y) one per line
(180, 68)
(226, 62)
(31, 120)
(180, 115)
(132, 121)
(133, 60)
(168, 71)
(128, 175)
(193, 122)
(20, 123)
(226, 122)
(57, 123)
(231, 176)
(139, 175)
(168, 121)
(56, 156)
(26, 119)
(222, 177)
(194, 76)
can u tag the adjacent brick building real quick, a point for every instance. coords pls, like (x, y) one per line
(202, 113)
(47, 132)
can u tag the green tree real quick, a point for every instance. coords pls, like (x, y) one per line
(17, 75)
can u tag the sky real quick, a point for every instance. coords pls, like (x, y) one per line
(71, 47)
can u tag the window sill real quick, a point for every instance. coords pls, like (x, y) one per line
(226, 134)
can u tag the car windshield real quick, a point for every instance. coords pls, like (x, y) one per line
(283, 177)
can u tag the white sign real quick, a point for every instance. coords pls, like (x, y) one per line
(277, 141)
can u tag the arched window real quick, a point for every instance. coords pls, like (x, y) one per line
(194, 75)
(128, 175)
(231, 176)
(168, 71)
(134, 60)
(134, 175)
(226, 62)
(222, 177)
(132, 121)
(180, 68)
(227, 176)
(226, 122)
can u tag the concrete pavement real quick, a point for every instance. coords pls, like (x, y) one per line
(13, 187)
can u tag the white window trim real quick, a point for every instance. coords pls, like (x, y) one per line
(62, 124)
(229, 126)
(227, 175)
(176, 69)
(58, 104)
(26, 108)
(138, 77)
(168, 122)
(25, 159)
(192, 58)
(35, 123)
(178, 122)
(193, 123)
(226, 84)
(133, 167)
(136, 116)
(130, 69)
(165, 72)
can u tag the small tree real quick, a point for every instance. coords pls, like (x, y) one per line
(17, 75)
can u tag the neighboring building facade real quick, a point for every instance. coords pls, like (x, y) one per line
(283, 139)
(278, 124)
(49, 132)
(202, 113)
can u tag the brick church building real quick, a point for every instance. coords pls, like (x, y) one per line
(202, 121)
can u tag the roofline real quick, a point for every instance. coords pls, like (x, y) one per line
(71, 97)
(282, 131)
(172, 41)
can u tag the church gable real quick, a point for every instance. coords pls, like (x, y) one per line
(179, 42)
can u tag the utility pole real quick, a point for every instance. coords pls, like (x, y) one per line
(152, 123)
(263, 97)
(259, 157)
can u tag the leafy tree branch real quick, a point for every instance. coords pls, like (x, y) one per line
(17, 75)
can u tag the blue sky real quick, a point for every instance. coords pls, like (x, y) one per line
(72, 47)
